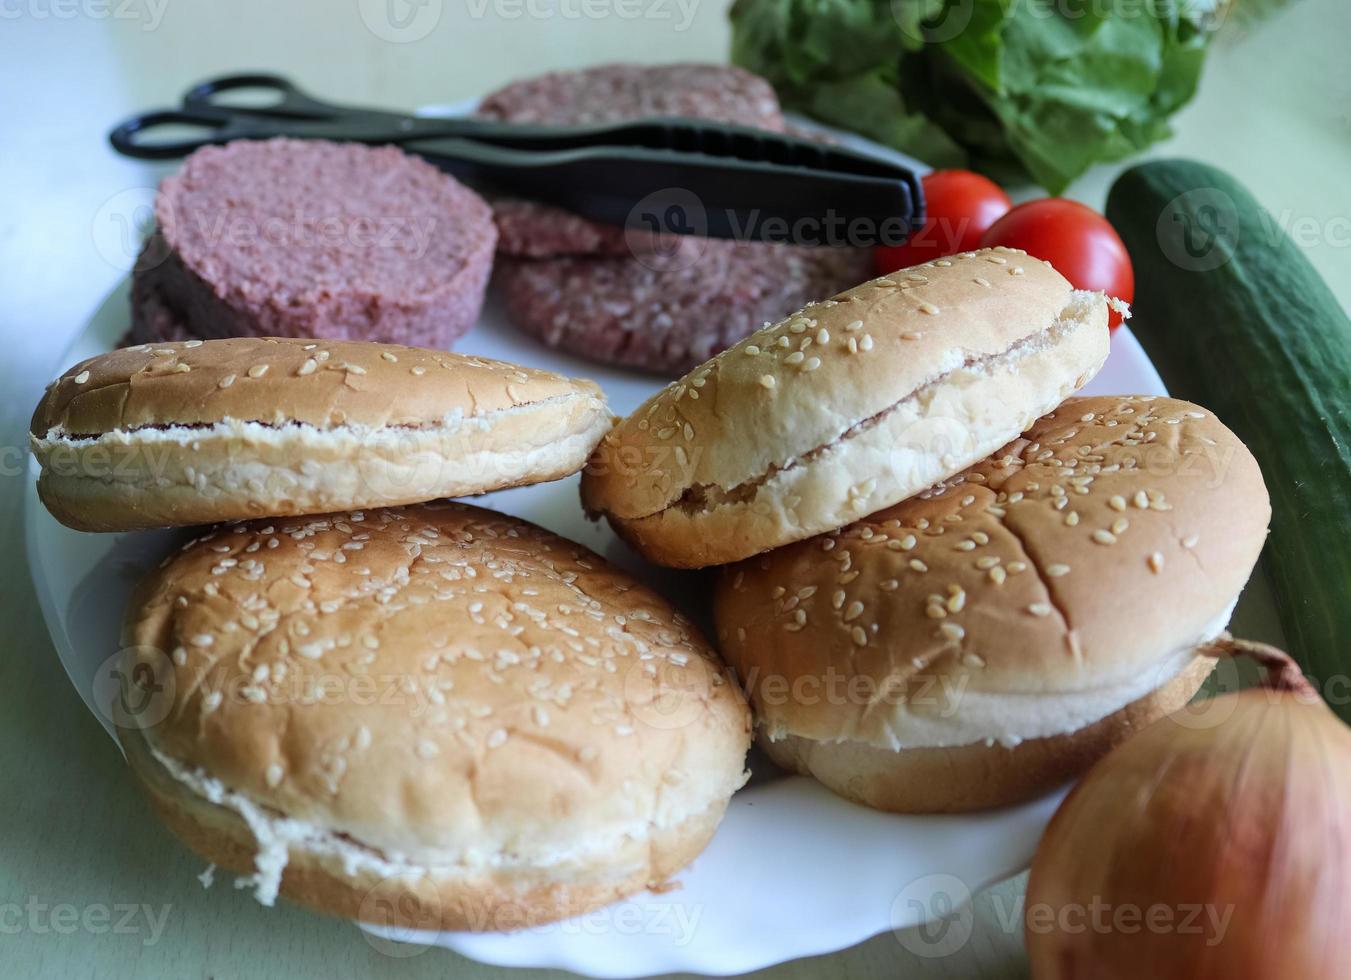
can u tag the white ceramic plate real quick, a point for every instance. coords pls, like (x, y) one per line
(793, 871)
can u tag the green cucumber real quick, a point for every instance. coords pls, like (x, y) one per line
(1236, 319)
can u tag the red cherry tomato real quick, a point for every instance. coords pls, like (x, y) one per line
(1074, 238)
(959, 206)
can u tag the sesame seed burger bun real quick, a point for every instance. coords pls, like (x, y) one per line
(991, 638)
(200, 431)
(437, 716)
(846, 407)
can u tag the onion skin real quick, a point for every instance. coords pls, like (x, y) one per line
(1240, 811)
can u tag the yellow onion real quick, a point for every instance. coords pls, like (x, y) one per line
(1213, 845)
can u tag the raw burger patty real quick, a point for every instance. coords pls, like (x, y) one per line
(585, 288)
(533, 229)
(633, 313)
(614, 93)
(305, 238)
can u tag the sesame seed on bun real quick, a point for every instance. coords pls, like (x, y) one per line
(200, 431)
(990, 638)
(437, 709)
(846, 407)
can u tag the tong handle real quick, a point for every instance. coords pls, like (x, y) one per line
(287, 111)
(129, 137)
(679, 135)
(691, 172)
(694, 193)
(135, 137)
(287, 100)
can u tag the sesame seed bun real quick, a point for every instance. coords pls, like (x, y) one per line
(1018, 619)
(194, 432)
(846, 407)
(432, 716)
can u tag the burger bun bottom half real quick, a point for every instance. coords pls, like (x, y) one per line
(323, 875)
(977, 776)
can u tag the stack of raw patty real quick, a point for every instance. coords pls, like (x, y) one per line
(597, 291)
(308, 238)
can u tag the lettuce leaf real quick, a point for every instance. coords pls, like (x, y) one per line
(1042, 88)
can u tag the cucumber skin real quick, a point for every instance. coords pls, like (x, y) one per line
(1262, 342)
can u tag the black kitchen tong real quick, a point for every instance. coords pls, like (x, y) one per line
(683, 176)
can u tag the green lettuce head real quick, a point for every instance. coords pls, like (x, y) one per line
(1042, 88)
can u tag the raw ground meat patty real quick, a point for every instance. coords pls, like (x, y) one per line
(292, 238)
(623, 311)
(590, 289)
(614, 93)
(533, 229)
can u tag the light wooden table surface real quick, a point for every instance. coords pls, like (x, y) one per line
(78, 848)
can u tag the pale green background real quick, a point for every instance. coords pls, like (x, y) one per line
(1273, 109)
